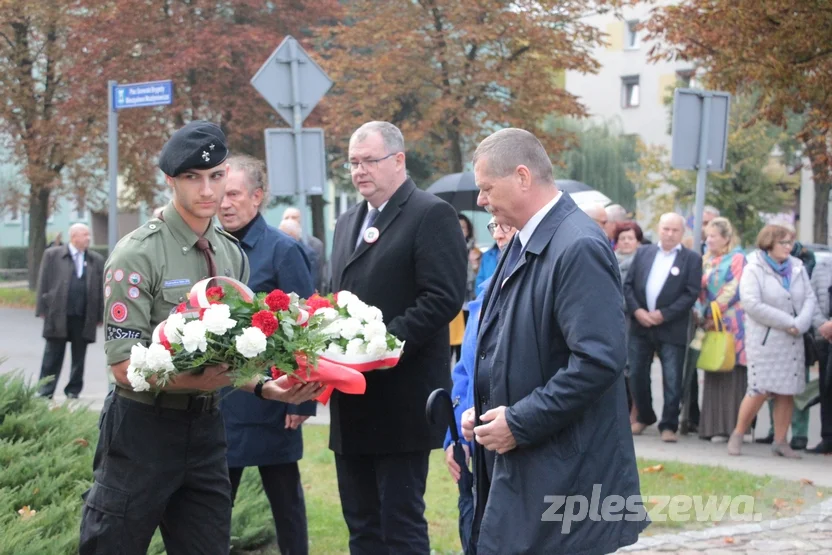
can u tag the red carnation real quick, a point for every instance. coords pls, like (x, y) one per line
(265, 321)
(181, 307)
(215, 294)
(277, 300)
(316, 302)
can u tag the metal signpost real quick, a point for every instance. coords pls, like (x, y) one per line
(119, 97)
(293, 84)
(700, 141)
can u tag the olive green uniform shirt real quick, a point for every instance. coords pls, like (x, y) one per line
(152, 270)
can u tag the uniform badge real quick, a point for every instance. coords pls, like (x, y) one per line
(674, 271)
(211, 146)
(133, 293)
(134, 278)
(206, 156)
(176, 283)
(371, 235)
(109, 276)
(115, 332)
(119, 275)
(228, 272)
(107, 291)
(118, 312)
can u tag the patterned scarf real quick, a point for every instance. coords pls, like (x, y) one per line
(784, 269)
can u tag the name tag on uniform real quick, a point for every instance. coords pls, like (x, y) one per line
(177, 282)
(115, 332)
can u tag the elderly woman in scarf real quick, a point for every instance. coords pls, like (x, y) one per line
(779, 304)
(722, 268)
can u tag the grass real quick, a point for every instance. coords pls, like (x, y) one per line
(774, 498)
(15, 297)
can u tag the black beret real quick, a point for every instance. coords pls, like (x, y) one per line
(200, 145)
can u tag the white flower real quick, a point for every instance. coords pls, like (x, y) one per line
(377, 346)
(158, 358)
(356, 347)
(138, 355)
(374, 329)
(193, 336)
(357, 308)
(327, 314)
(334, 349)
(333, 329)
(251, 342)
(350, 328)
(343, 298)
(373, 314)
(173, 328)
(217, 319)
(136, 379)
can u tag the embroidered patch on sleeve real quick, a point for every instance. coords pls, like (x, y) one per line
(133, 292)
(115, 332)
(119, 275)
(118, 312)
(134, 278)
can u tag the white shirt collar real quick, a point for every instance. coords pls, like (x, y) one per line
(73, 251)
(526, 233)
(380, 208)
(675, 249)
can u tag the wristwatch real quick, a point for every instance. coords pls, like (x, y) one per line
(258, 389)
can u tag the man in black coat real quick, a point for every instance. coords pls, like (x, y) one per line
(662, 285)
(403, 252)
(70, 301)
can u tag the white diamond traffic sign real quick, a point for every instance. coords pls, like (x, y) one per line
(274, 81)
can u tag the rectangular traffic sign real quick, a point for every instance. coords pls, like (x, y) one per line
(688, 116)
(138, 95)
(285, 177)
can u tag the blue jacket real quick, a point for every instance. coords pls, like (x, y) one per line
(255, 428)
(488, 263)
(463, 373)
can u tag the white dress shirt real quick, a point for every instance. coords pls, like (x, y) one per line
(526, 233)
(78, 260)
(658, 274)
(364, 225)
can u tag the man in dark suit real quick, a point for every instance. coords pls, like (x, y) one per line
(69, 299)
(550, 415)
(263, 433)
(662, 285)
(402, 251)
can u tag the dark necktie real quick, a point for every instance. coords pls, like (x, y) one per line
(371, 218)
(203, 245)
(513, 255)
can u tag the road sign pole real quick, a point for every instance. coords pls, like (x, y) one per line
(112, 167)
(297, 130)
(702, 171)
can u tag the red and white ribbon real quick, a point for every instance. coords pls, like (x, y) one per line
(198, 296)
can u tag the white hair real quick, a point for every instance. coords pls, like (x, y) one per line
(616, 213)
(291, 228)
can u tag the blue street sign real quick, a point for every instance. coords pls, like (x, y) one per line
(137, 95)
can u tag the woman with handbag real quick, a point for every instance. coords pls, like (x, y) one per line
(723, 389)
(779, 303)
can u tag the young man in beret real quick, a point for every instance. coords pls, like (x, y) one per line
(160, 460)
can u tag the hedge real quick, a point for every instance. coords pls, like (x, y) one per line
(46, 455)
(14, 258)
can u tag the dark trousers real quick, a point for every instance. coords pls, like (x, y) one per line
(642, 348)
(825, 377)
(281, 482)
(53, 359)
(383, 501)
(157, 467)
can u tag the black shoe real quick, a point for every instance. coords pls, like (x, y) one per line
(822, 448)
(75, 396)
(799, 443)
(768, 440)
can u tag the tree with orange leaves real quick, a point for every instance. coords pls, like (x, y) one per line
(780, 48)
(448, 72)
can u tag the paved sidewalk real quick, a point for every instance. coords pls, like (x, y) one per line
(810, 531)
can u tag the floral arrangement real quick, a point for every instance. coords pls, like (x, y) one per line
(254, 334)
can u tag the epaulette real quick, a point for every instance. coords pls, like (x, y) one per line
(150, 227)
(225, 234)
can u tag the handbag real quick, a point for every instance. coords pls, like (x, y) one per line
(718, 352)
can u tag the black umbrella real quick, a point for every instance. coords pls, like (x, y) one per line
(440, 410)
(460, 191)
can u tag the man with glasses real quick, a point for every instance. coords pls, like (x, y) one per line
(492, 256)
(403, 251)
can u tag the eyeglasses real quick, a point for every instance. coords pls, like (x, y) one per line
(368, 164)
(786, 243)
(492, 228)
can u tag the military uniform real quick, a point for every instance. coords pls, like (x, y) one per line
(161, 456)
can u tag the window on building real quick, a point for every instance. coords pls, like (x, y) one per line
(630, 92)
(12, 215)
(80, 213)
(632, 35)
